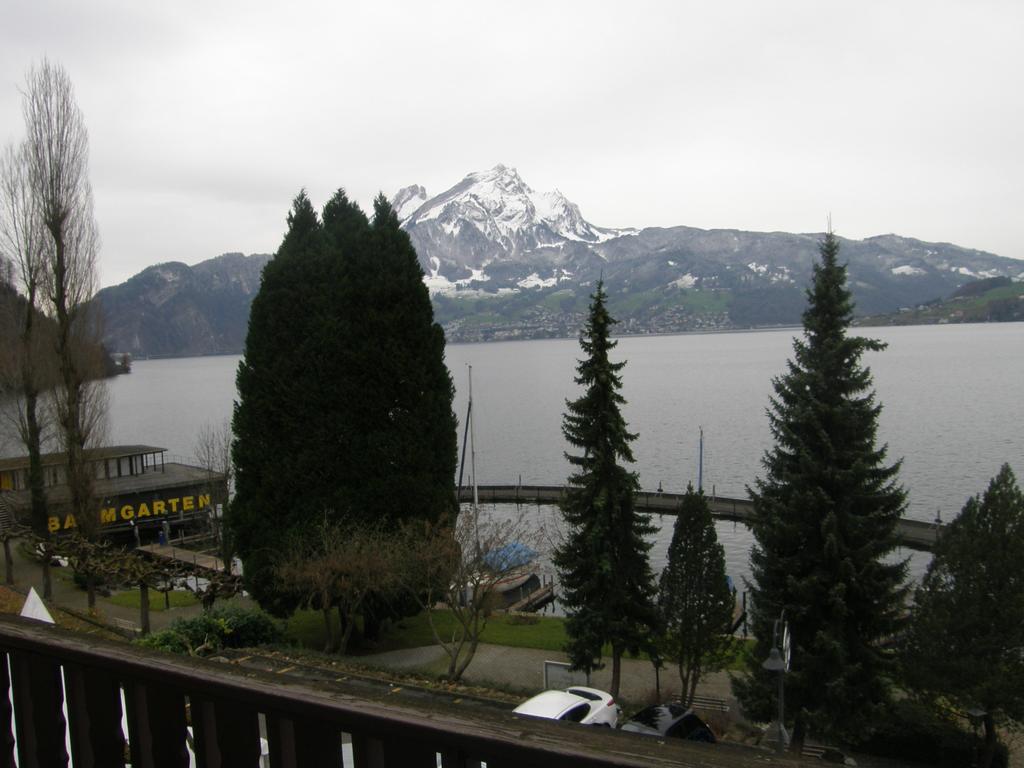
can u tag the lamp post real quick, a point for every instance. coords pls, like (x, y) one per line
(778, 661)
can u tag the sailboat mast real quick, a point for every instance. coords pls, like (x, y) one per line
(700, 463)
(472, 444)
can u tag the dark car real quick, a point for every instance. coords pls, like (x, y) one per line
(670, 721)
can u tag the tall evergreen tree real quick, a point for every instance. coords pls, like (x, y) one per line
(275, 437)
(824, 521)
(344, 398)
(967, 631)
(694, 598)
(606, 580)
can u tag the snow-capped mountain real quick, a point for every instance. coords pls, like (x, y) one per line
(504, 261)
(407, 200)
(491, 234)
(493, 216)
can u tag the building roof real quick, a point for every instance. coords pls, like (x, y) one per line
(91, 454)
(172, 476)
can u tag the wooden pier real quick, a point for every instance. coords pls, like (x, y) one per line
(196, 560)
(913, 534)
(536, 599)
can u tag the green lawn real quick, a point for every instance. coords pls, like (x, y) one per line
(130, 599)
(306, 629)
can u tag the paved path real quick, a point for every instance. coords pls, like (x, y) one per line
(522, 669)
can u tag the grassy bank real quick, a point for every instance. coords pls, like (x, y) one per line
(306, 629)
(178, 599)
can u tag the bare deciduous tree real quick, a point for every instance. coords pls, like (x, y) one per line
(338, 566)
(26, 371)
(461, 569)
(214, 585)
(145, 573)
(89, 559)
(57, 151)
(212, 452)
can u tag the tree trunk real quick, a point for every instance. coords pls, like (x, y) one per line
(144, 607)
(454, 651)
(33, 431)
(90, 589)
(348, 622)
(47, 581)
(616, 671)
(328, 629)
(8, 563)
(989, 750)
(473, 643)
(694, 679)
(688, 684)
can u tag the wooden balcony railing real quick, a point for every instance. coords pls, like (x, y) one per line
(50, 671)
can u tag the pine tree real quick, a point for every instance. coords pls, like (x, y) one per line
(825, 519)
(344, 398)
(694, 598)
(606, 581)
(967, 632)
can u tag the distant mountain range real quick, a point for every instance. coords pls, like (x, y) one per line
(993, 300)
(503, 261)
(174, 310)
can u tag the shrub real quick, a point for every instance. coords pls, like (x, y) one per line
(165, 640)
(916, 733)
(224, 627)
(247, 627)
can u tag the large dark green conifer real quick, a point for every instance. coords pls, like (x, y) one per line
(606, 583)
(271, 453)
(967, 632)
(344, 400)
(825, 518)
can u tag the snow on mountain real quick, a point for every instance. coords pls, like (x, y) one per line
(492, 216)
(407, 200)
(908, 270)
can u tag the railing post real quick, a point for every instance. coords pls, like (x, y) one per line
(300, 743)
(369, 752)
(156, 726)
(454, 758)
(39, 704)
(6, 720)
(94, 714)
(281, 742)
(226, 734)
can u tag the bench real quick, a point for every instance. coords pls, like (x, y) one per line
(710, 703)
(127, 626)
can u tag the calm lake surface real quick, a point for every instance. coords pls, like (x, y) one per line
(953, 400)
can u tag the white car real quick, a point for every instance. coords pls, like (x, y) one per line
(587, 706)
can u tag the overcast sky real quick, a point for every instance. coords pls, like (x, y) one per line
(205, 118)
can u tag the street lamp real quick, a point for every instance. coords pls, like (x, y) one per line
(778, 661)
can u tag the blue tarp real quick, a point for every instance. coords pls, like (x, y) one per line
(509, 556)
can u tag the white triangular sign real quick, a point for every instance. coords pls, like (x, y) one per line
(34, 608)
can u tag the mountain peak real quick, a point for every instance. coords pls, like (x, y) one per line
(499, 206)
(407, 200)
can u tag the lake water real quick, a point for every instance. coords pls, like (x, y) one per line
(953, 400)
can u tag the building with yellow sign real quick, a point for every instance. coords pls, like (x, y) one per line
(135, 487)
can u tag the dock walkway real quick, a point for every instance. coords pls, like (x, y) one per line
(914, 534)
(190, 557)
